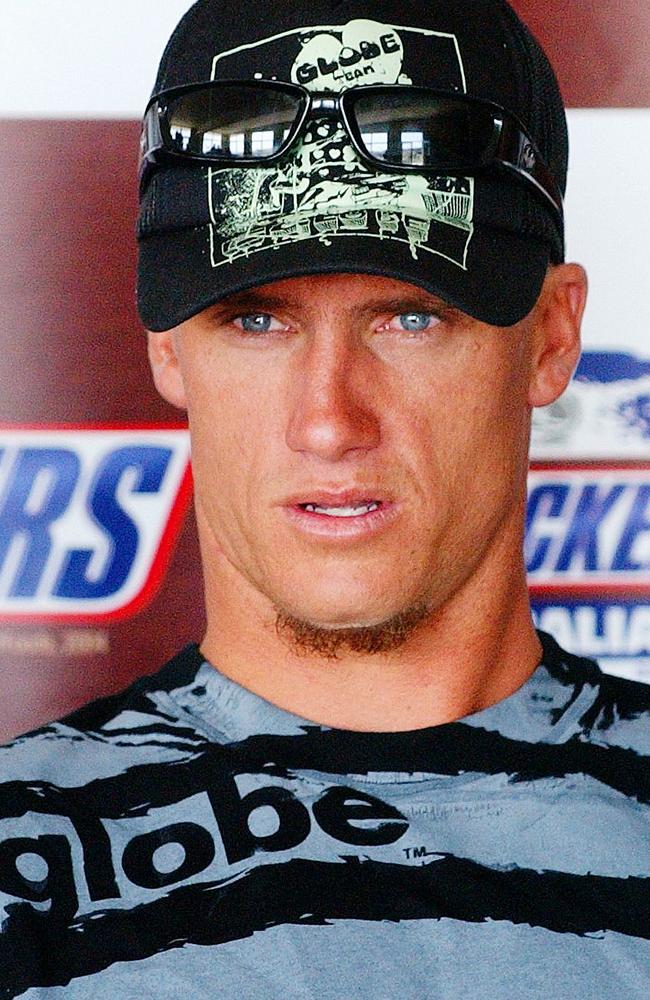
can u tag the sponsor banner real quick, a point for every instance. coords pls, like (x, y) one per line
(89, 516)
(604, 413)
(588, 530)
(88, 519)
(616, 633)
(588, 519)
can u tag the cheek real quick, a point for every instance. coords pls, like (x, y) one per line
(471, 418)
(233, 424)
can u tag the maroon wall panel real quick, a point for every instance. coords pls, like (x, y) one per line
(600, 51)
(73, 351)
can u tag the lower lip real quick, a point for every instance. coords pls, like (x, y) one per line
(327, 526)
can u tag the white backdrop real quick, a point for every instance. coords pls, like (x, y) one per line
(81, 58)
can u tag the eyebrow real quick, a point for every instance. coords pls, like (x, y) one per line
(407, 303)
(253, 301)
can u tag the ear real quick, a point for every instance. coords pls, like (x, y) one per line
(556, 332)
(165, 368)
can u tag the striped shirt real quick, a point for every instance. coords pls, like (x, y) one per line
(186, 838)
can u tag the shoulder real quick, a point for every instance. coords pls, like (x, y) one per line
(616, 710)
(136, 725)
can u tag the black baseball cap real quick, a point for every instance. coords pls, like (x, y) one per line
(482, 243)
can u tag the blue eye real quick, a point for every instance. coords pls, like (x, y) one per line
(415, 321)
(256, 323)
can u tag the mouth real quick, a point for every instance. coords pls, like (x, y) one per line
(350, 510)
(345, 514)
(340, 503)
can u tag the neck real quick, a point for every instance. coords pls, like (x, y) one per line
(472, 652)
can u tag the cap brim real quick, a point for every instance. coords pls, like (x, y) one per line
(499, 285)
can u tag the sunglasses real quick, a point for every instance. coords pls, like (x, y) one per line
(399, 129)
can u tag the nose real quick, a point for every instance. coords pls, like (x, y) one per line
(334, 413)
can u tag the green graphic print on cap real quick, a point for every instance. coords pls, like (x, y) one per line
(322, 191)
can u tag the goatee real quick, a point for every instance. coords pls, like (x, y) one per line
(305, 638)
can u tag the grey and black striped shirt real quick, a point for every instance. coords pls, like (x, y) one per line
(188, 839)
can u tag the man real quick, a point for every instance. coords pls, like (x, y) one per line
(373, 777)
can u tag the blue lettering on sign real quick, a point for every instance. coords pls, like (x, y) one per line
(549, 500)
(638, 523)
(569, 523)
(150, 465)
(598, 628)
(40, 489)
(58, 469)
(582, 536)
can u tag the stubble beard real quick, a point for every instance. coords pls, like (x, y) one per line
(307, 639)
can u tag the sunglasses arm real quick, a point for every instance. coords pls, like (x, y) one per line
(517, 153)
(151, 142)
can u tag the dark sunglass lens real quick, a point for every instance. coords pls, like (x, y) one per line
(231, 121)
(418, 129)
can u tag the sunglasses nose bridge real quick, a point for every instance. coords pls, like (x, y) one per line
(322, 102)
(325, 106)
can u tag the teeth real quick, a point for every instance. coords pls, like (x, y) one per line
(342, 511)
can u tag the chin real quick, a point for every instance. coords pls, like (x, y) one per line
(340, 623)
(347, 606)
(337, 614)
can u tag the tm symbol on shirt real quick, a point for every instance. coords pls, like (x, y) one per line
(415, 853)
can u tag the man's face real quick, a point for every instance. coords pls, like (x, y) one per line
(315, 395)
